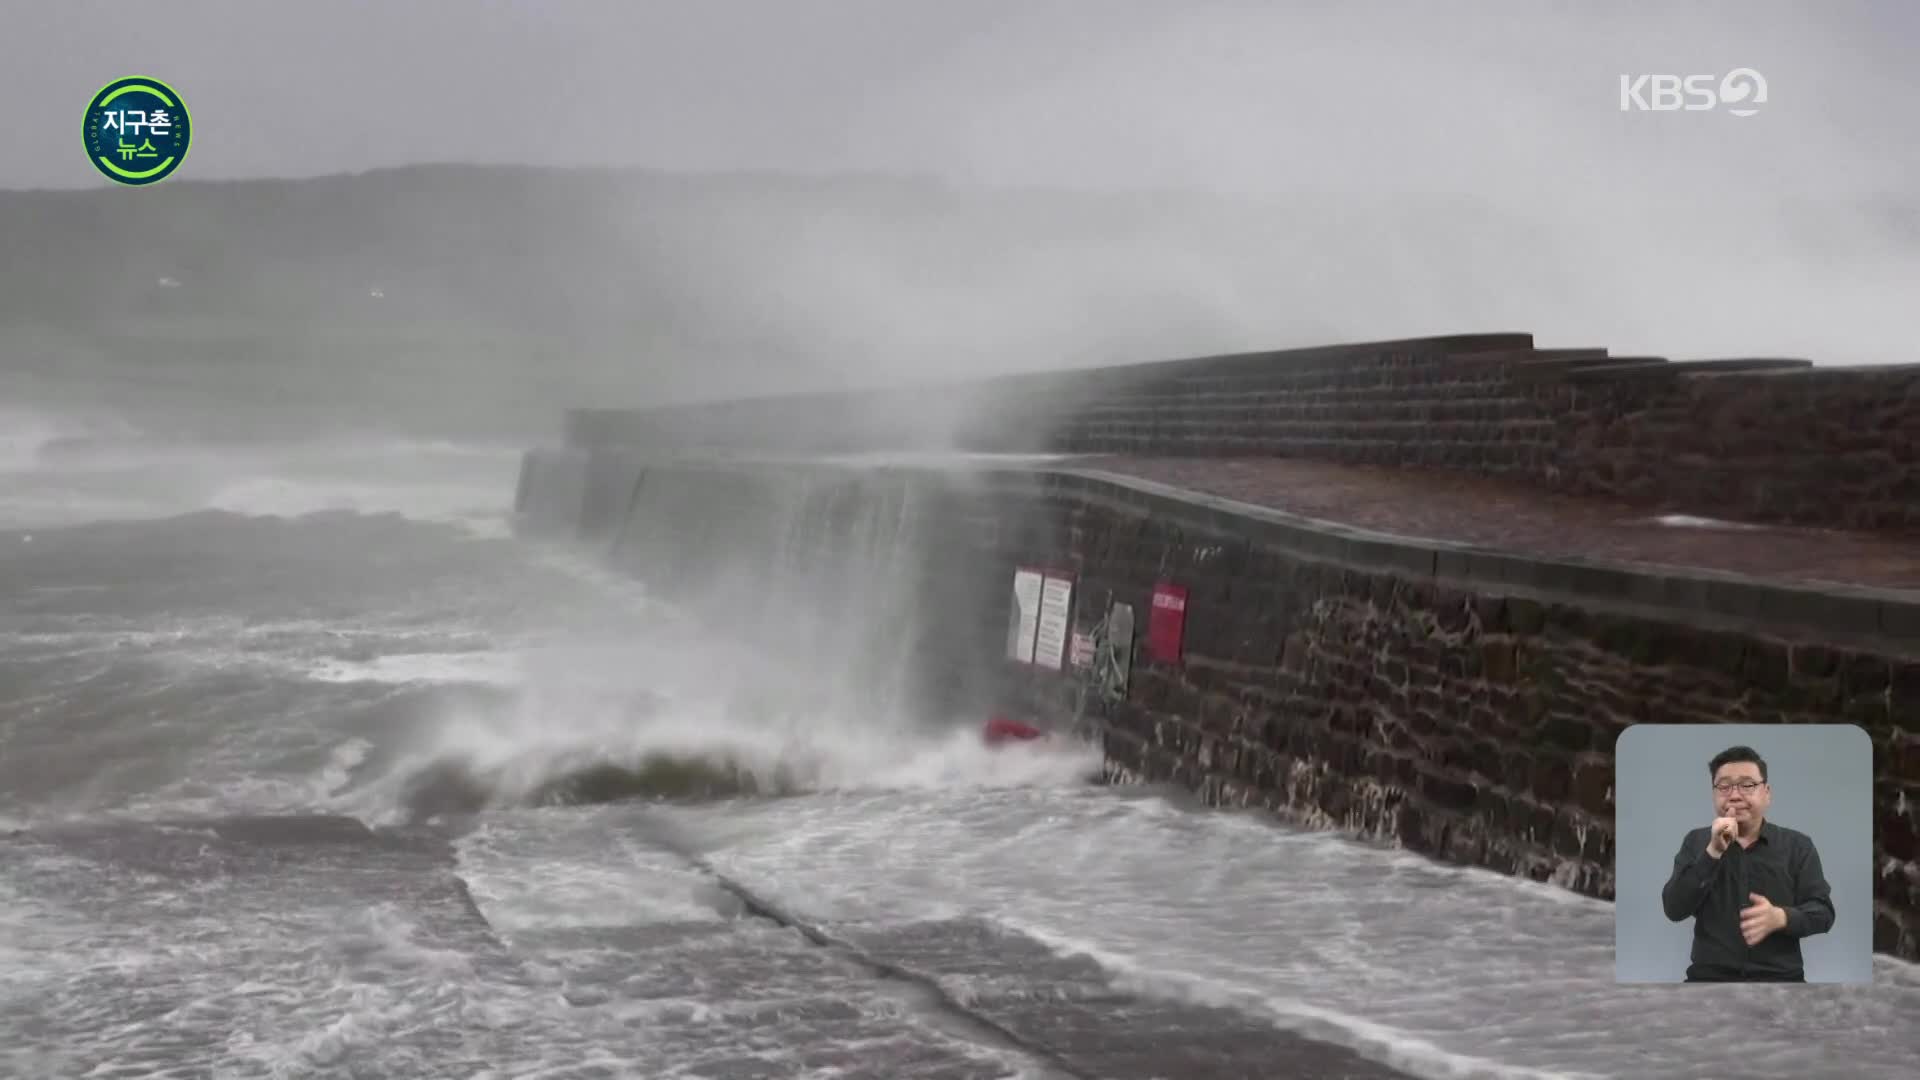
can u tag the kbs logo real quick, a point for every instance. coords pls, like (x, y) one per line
(1741, 92)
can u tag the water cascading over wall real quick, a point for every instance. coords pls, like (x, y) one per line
(844, 577)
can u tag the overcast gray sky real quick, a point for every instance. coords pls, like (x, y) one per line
(1795, 231)
(1259, 96)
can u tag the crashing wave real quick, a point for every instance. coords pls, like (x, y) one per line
(459, 787)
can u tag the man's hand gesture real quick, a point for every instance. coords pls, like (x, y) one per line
(1721, 834)
(1761, 919)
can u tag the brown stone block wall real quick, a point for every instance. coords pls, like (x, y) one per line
(1742, 439)
(1472, 726)
(1806, 446)
(1822, 447)
(1398, 407)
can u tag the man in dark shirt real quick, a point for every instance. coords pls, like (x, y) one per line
(1752, 888)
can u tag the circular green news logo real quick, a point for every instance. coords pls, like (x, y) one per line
(137, 131)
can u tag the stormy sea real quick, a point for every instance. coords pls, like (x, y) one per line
(310, 767)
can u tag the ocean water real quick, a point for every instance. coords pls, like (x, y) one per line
(309, 768)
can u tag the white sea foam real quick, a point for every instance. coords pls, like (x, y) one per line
(568, 870)
(341, 762)
(1379, 1041)
(515, 753)
(27, 434)
(1445, 971)
(72, 469)
(481, 511)
(488, 668)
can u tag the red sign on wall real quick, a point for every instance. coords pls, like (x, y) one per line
(1166, 622)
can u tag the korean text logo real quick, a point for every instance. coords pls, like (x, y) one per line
(1741, 92)
(137, 131)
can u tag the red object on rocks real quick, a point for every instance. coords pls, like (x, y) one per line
(1000, 729)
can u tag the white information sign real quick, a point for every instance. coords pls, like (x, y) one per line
(1056, 601)
(1024, 620)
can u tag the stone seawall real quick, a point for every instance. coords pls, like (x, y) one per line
(1752, 439)
(1379, 686)
(1838, 448)
(1464, 704)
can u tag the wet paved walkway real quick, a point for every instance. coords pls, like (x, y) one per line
(1511, 516)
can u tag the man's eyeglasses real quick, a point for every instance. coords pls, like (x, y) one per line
(1746, 786)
